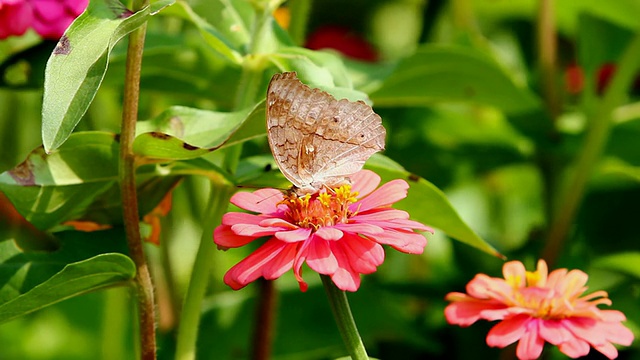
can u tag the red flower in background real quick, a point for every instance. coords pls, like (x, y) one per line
(342, 40)
(49, 18)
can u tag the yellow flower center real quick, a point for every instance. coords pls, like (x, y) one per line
(326, 208)
(546, 302)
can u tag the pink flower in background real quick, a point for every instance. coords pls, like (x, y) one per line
(333, 231)
(49, 18)
(536, 307)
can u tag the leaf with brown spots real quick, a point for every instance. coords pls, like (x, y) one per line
(79, 62)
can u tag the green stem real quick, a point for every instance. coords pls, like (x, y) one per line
(594, 143)
(299, 11)
(191, 308)
(247, 93)
(144, 286)
(342, 313)
(114, 326)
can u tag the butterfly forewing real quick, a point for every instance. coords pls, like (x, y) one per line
(317, 140)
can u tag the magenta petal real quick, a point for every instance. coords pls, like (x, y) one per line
(301, 256)
(531, 344)
(363, 255)
(383, 214)
(575, 348)
(76, 7)
(607, 350)
(404, 241)
(465, 313)
(233, 218)
(554, 333)
(277, 222)
(224, 237)
(15, 18)
(364, 182)
(251, 267)
(360, 228)
(387, 219)
(290, 236)
(263, 201)
(508, 331)
(345, 278)
(320, 258)
(253, 230)
(329, 233)
(385, 195)
(281, 263)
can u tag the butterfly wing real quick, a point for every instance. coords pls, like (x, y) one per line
(317, 140)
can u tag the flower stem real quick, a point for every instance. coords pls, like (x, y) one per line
(265, 314)
(342, 313)
(127, 172)
(191, 308)
(596, 139)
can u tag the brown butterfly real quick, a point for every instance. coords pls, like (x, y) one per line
(316, 140)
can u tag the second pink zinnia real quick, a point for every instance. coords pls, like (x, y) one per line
(337, 233)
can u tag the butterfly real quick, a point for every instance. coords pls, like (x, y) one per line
(316, 140)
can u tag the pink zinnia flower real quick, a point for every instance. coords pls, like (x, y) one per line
(49, 18)
(336, 233)
(535, 307)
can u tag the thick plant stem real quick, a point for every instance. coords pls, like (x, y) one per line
(346, 325)
(144, 286)
(594, 143)
(191, 308)
(265, 314)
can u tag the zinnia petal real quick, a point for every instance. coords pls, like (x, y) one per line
(320, 257)
(364, 182)
(531, 344)
(401, 240)
(225, 238)
(251, 267)
(330, 230)
(508, 331)
(300, 234)
(539, 306)
(363, 255)
(385, 195)
(345, 277)
(467, 312)
(263, 201)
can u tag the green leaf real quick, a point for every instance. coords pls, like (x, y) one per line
(453, 74)
(182, 133)
(79, 180)
(626, 263)
(428, 204)
(49, 189)
(599, 42)
(79, 62)
(32, 280)
(223, 45)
